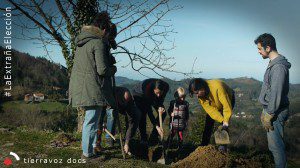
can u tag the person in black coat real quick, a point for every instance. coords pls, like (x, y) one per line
(147, 94)
(127, 107)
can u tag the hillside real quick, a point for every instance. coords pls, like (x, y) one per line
(37, 74)
(34, 74)
(125, 81)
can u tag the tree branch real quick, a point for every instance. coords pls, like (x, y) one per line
(126, 27)
(30, 17)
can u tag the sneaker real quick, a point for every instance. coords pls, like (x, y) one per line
(93, 158)
(90, 159)
(222, 149)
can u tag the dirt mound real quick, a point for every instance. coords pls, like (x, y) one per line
(210, 157)
(62, 140)
(206, 156)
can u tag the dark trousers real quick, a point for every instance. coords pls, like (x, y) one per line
(145, 109)
(179, 133)
(132, 118)
(208, 129)
(209, 126)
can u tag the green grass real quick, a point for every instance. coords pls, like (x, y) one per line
(40, 116)
(44, 106)
(29, 144)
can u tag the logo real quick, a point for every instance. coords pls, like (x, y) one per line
(7, 161)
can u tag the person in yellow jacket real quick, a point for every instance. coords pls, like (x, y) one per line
(217, 99)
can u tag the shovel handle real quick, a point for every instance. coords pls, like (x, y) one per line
(117, 118)
(160, 122)
(171, 125)
(109, 134)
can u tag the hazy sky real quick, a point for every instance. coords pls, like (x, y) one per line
(220, 33)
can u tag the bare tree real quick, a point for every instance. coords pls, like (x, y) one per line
(142, 23)
(144, 33)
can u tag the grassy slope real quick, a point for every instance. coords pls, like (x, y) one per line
(36, 144)
(44, 106)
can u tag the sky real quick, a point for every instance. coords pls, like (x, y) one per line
(220, 34)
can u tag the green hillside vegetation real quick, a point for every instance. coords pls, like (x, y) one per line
(44, 106)
(34, 74)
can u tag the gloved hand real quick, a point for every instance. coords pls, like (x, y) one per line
(221, 128)
(225, 126)
(267, 121)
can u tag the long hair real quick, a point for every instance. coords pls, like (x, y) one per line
(159, 85)
(196, 84)
(102, 20)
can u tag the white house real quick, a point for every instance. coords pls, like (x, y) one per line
(39, 97)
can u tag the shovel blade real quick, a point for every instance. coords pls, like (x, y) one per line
(161, 161)
(221, 137)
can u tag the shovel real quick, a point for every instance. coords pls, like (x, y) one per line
(170, 135)
(221, 136)
(117, 118)
(111, 135)
(162, 159)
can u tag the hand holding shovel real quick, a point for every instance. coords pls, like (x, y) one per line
(160, 130)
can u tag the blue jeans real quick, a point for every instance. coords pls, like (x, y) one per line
(110, 124)
(275, 139)
(89, 129)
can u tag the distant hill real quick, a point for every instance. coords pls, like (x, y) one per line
(248, 86)
(34, 74)
(37, 74)
(125, 81)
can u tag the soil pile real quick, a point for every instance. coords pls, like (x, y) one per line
(210, 157)
(206, 156)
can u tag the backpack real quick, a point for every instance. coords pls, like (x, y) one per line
(179, 120)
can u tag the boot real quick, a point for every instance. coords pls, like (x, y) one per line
(98, 148)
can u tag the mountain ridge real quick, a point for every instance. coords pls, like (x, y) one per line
(41, 75)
